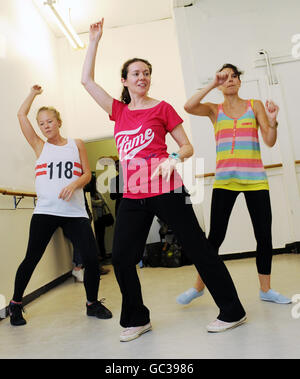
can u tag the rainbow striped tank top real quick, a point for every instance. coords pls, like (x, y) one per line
(239, 165)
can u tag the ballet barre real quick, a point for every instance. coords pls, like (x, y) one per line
(209, 174)
(18, 195)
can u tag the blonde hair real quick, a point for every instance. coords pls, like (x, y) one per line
(50, 109)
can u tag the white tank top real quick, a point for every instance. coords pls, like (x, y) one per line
(57, 167)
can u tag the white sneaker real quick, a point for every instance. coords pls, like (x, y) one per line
(78, 275)
(218, 326)
(134, 332)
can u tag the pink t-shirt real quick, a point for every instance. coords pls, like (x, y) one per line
(140, 139)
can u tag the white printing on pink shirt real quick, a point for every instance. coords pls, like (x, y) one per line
(133, 146)
(140, 139)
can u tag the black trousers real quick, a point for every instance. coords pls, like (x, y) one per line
(131, 230)
(259, 206)
(79, 231)
(100, 237)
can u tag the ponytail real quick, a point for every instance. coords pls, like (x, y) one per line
(125, 97)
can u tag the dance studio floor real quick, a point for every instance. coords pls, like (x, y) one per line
(58, 327)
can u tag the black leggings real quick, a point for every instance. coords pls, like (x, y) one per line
(132, 227)
(79, 231)
(259, 206)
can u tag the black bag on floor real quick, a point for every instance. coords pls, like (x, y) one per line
(166, 253)
(171, 255)
(172, 252)
(152, 254)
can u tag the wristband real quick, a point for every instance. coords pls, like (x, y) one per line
(275, 126)
(175, 156)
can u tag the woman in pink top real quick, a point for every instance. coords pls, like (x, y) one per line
(152, 187)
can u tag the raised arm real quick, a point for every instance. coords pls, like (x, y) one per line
(33, 139)
(266, 118)
(88, 72)
(195, 106)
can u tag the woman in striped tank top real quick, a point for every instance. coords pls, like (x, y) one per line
(239, 169)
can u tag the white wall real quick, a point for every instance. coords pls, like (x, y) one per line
(210, 34)
(28, 55)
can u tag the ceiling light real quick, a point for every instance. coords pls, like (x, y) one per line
(65, 26)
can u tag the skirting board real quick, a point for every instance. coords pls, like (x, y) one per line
(40, 291)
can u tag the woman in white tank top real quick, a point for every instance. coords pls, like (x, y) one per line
(62, 170)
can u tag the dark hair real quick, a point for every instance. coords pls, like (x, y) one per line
(125, 97)
(233, 68)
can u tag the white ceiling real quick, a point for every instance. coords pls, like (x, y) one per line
(117, 13)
